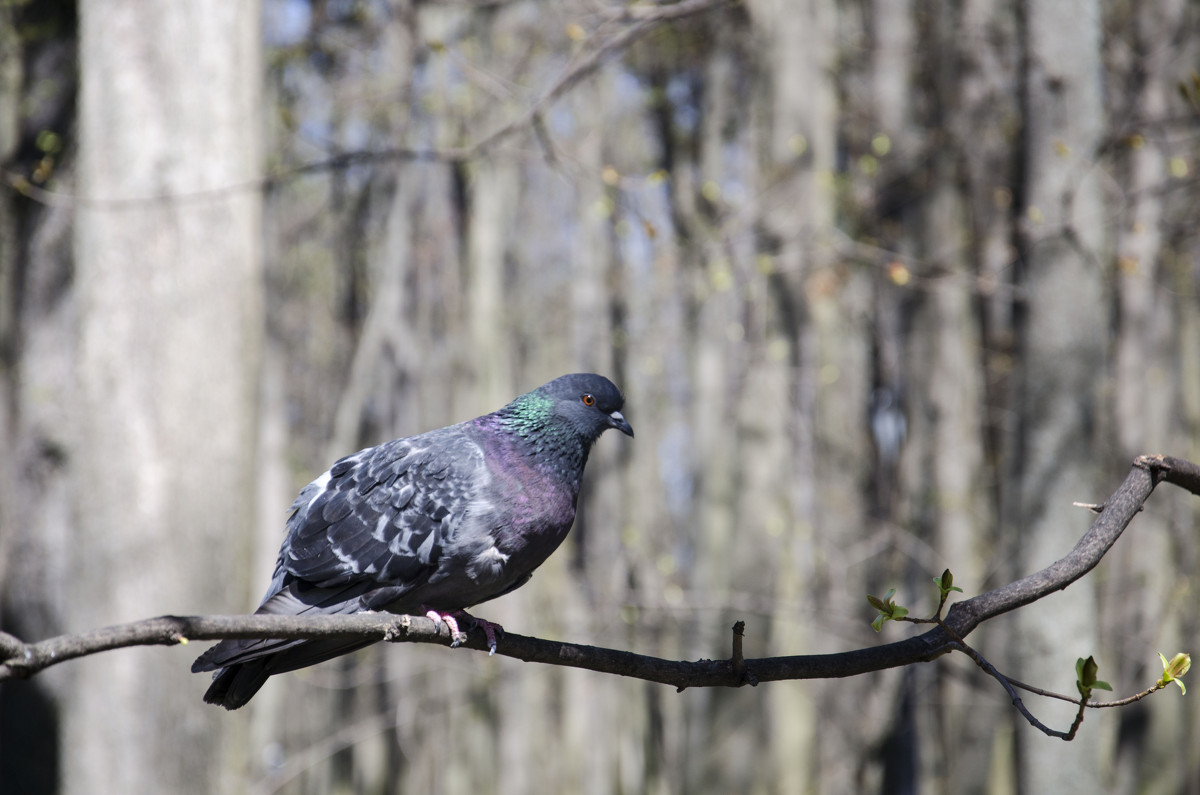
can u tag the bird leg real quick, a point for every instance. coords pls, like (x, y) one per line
(490, 629)
(451, 619)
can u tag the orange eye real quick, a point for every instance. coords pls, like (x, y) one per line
(588, 400)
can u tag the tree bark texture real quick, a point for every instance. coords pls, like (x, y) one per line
(169, 298)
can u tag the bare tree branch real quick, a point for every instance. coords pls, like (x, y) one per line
(638, 21)
(21, 660)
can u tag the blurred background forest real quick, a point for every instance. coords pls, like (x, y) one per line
(888, 285)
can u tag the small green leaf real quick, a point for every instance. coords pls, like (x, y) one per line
(1181, 663)
(945, 584)
(885, 604)
(1085, 676)
(946, 581)
(1174, 669)
(1087, 672)
(888, 610)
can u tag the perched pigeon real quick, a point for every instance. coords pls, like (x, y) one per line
(431, 525)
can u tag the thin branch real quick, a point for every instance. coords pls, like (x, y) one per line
(640, 20)
(339, 162)
(1009, 685)
(22, 659)
(1121, 702)
(644, 20)
(1004, 681)
(1037, 691)
(1176, 471)
(1119, 510)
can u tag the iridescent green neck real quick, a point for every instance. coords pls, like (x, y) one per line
(544, 437)
(528, 414)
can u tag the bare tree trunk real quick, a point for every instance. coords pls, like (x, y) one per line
(169, 338)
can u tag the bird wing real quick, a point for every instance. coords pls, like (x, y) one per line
(365, 535)
(374, 526)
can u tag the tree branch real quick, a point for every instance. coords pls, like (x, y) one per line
(21, 660)
(639, 20)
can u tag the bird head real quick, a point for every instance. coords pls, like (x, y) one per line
(588, 403)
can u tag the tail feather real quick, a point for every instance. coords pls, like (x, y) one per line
(234, 685)
(243, 665)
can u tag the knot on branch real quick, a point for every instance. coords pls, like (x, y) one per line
(15, 656)
(398, 629)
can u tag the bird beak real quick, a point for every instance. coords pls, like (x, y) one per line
(617, 420)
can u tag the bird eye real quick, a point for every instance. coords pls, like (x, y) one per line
(588, 400)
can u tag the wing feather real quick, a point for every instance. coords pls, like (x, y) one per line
(383, 514)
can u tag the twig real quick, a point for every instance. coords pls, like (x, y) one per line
(20, 659)
(991, 671)
(1010, 687)
(736, 661)
(1121, 702)
(641, 19)
(1129, 500)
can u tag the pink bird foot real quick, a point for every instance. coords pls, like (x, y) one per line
(451, 618)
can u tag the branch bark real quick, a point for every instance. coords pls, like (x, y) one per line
(22, 660)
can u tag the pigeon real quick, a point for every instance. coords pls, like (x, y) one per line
(427, 525)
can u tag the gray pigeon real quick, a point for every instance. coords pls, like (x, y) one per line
(429, 525)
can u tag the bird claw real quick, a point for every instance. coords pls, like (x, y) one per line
(457, 636)
(490, 629)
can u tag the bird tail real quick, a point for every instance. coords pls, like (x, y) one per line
(242, 667)
(232, 687)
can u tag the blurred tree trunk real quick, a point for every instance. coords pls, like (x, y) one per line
(1184, 278)
(820, 304)
(170, 315)
(1146, 411)
(1062, 338)
(38, 84)
(962, 109)
(574, 582)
